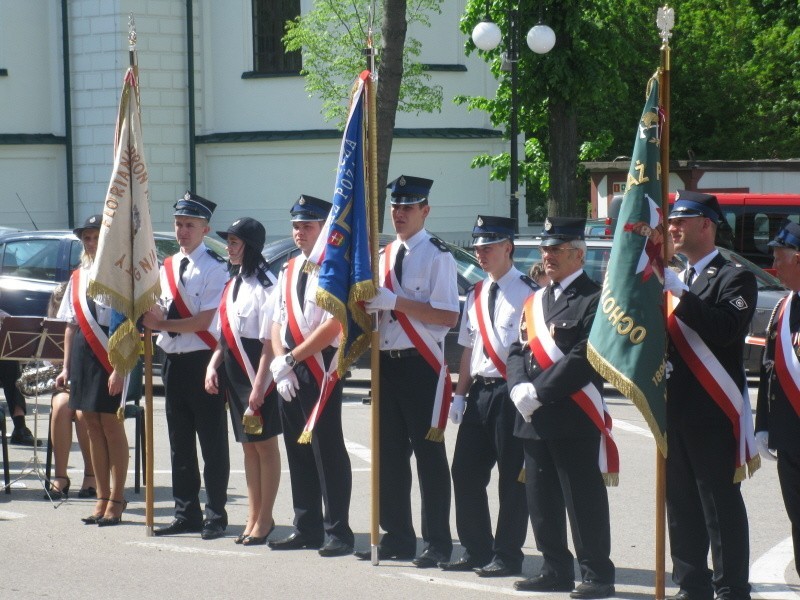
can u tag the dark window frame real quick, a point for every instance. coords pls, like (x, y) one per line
(269, 23)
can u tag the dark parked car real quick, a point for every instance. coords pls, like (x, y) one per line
(32, 263)
(469, 273)
(598, 251)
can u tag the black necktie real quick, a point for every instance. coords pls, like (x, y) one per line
(398, 263)
(690, 276)
(182, 268)
(301, 284)
(551, 294)
(492, 299)
(236, 285)
(172, 313)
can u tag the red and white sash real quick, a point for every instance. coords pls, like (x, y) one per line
(229, 324)
(589, 398)
(300, 329)
(721, 387)
(94, 334)
(787, 366)
(428, 348)
(479, 313)
(176, 289)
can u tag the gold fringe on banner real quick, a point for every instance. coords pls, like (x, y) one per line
(435, 434)
(521, 477)
(630, 390)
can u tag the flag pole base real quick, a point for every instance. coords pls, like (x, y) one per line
(148, 531)
(375, 559)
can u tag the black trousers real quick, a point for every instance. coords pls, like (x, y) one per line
(485, 438)
(705, 510)
(320, 472)
(408, 386)
(789, 476)
(194, 413)
(9, 373)
(563, 479)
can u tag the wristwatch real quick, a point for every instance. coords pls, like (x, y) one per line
(290, 360)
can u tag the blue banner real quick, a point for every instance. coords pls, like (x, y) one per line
(343, 249)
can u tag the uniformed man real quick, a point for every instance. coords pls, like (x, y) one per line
(418, 304)
(489, 324)
(708, 409)
(549, 375)
(305, 339)
(191, 286)
(778, 410)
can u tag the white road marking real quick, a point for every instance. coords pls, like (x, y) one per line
(359, 451)
(768, 573)
(625, 426)
(189, 549)
(7, 515)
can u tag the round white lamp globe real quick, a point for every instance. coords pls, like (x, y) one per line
(487, 35)
(540, 38)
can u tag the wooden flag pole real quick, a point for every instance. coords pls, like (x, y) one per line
(375, 357)
(665, 21)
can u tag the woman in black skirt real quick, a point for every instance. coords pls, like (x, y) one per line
(244, 322)
(95, 388)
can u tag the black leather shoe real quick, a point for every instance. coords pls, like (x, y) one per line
(497, 568)
(22, 436)
(593, 589)
(178, 526)
(335, 547)
(295, 541)
(384, 553)
(464, 563)
(212, 530)
(429, 559)
(681, 595)
(544, 583)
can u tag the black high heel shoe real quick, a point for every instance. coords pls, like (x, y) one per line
(54, 493)
(249, 540)
(109, 521)
(93, 519)
(88, 491)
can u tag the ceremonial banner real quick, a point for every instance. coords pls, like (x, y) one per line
(342, 250)
(627, 344)
(124, 274)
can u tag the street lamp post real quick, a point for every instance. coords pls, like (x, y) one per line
(541, 39)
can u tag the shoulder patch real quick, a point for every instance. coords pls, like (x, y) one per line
(739, 303)
(529, 282)
(263, 278)
(214, 255)
(439, 244)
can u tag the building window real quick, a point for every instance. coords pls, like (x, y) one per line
(269, 22)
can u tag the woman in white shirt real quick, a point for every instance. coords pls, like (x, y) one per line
(244, 321)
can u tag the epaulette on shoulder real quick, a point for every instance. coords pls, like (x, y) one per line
(214, 255)
(284, 265)
(470, 289)
(529, 282)
(439, 244)
(382, 250)
(263, 278)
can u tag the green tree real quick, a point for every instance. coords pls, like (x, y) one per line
(332, 37)
(564, 93)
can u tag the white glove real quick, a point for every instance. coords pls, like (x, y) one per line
(287, 386)
(280, 367)
(673, 283)
(668, 369)
(524, 397)
(762, 443)
(457, 409)
(385, 299)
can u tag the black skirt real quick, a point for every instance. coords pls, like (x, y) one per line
(88, 379)
(236, 387)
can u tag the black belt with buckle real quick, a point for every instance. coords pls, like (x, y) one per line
(404, 353)
(489, 380)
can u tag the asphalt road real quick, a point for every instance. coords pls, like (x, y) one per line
(48, 553)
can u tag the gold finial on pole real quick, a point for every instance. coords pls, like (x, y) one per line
(132, 38)
(665, 20)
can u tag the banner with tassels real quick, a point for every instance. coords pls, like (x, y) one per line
(124, 274)
(342, 250)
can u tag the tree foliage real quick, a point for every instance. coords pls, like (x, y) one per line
(735, 84)
(332, 37)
